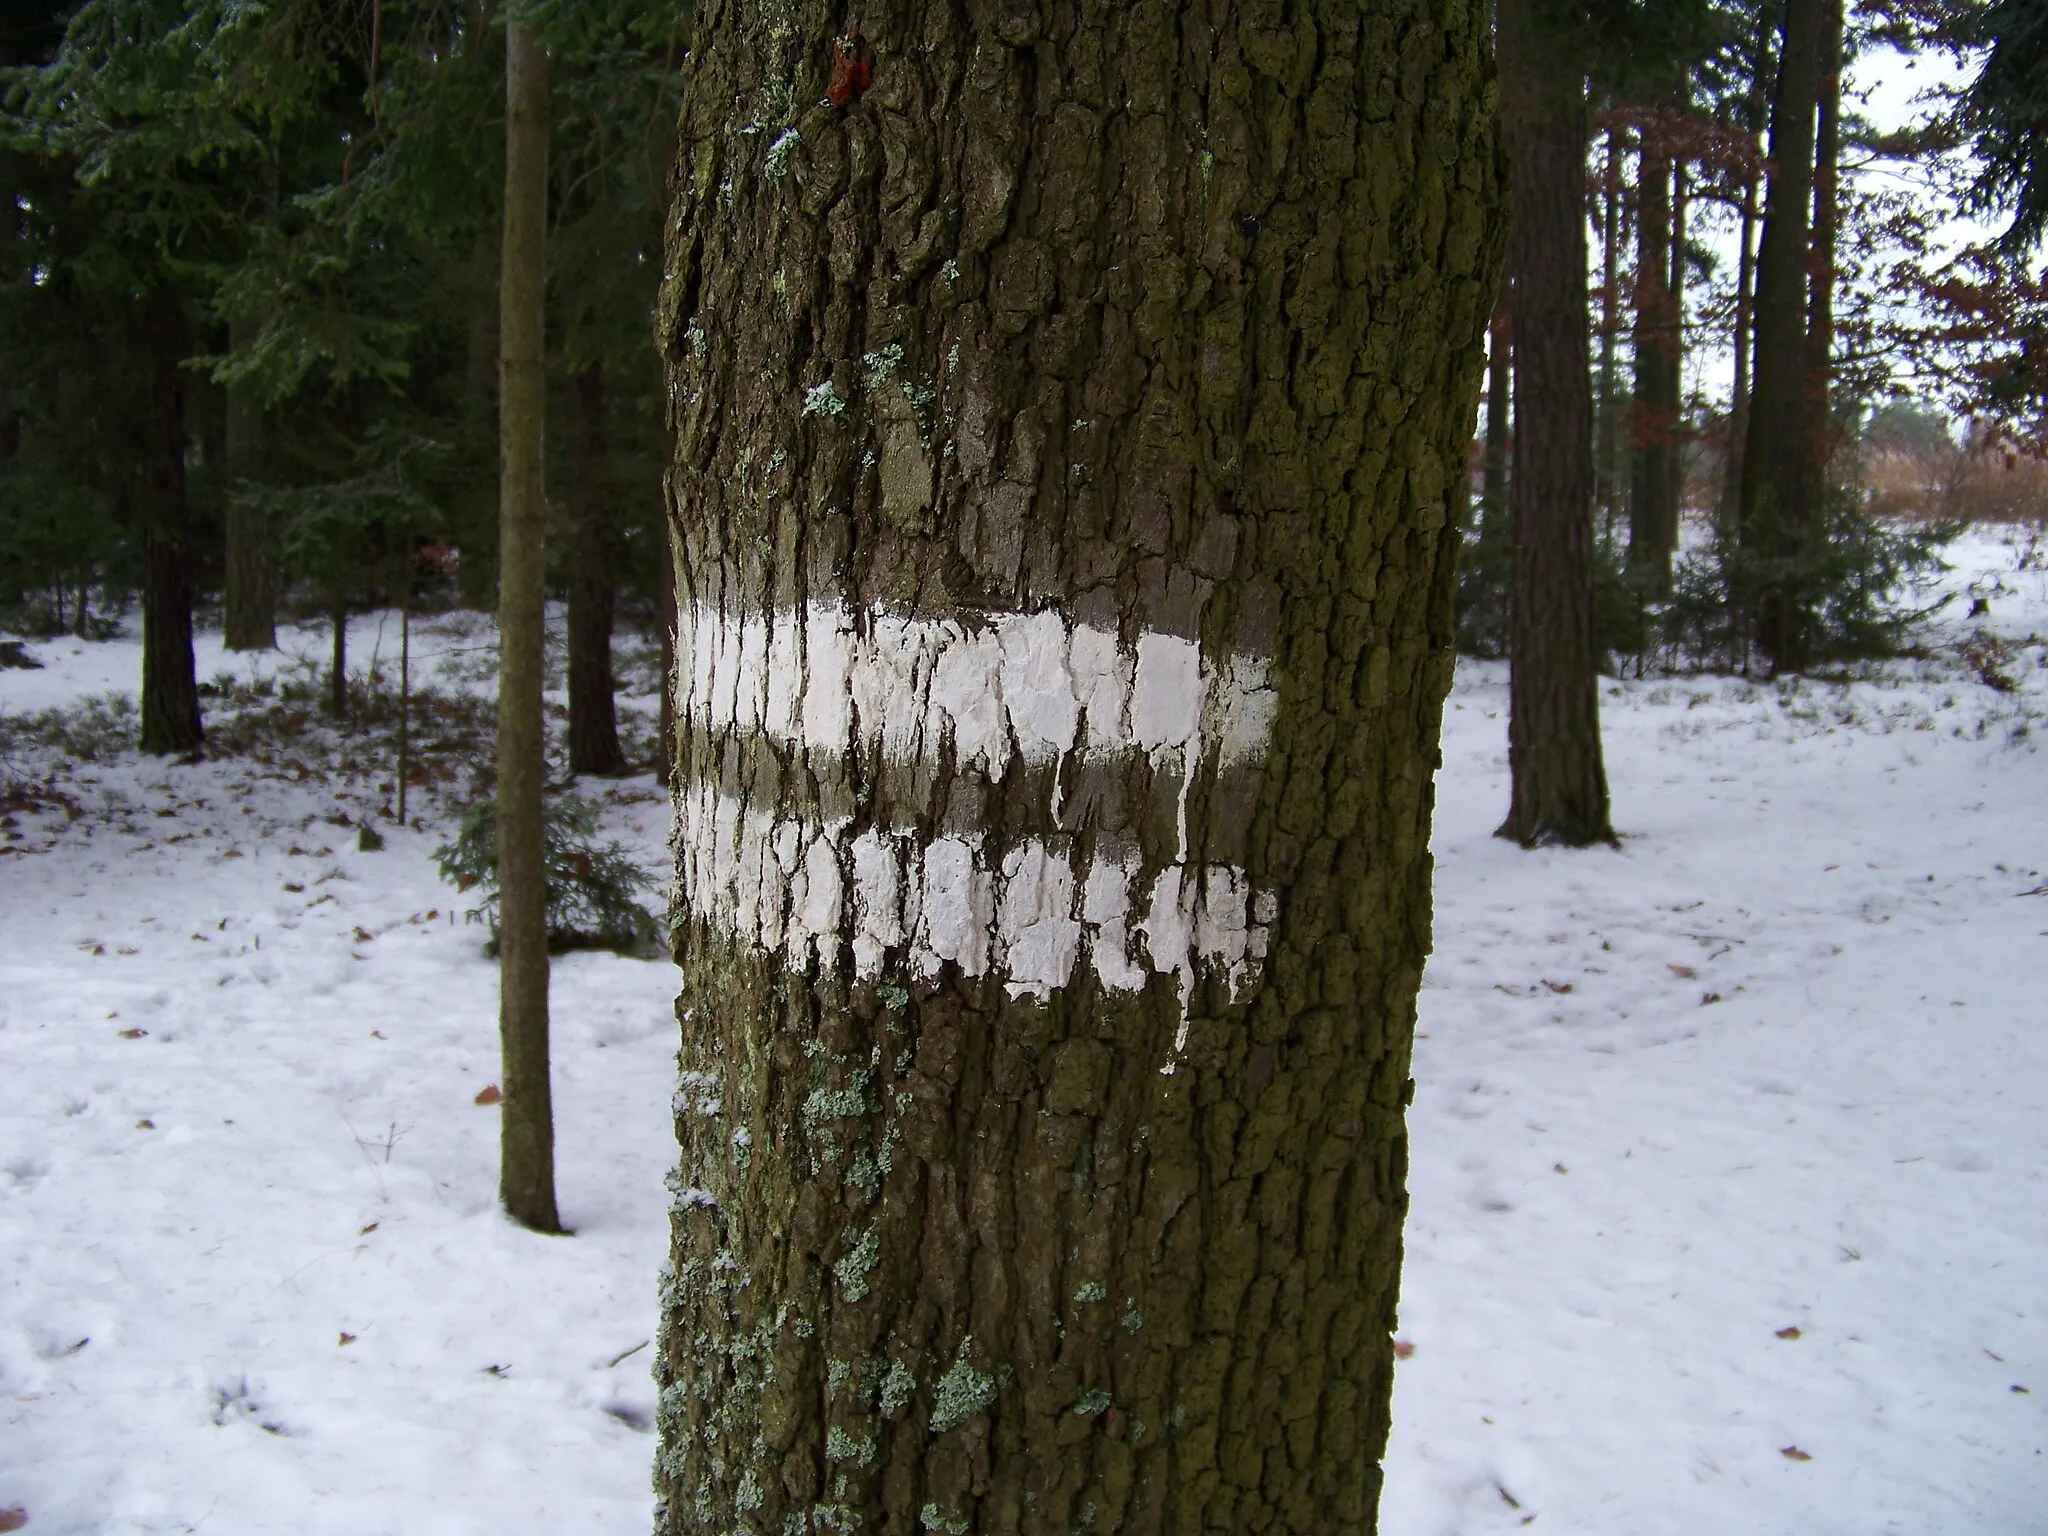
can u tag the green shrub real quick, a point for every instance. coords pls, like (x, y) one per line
(1853, 585)
(591, 886)
(96, 727)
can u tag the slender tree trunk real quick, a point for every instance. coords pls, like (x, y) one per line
(337, 671)
(249, 602)
(1775, 513)
(1674, 362)
(1820, 314)
(1745, 277)
(1499, 362)
(170, 682)
(1559, 780)
(404, 690)
(1065, 571)
(1653, 524)
(526, 1172)
(1739, 342)
(593, 719)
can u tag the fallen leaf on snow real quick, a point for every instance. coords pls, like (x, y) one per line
(488, 1094)
(1403, 1349)
(13, 1518)
(1709, 997)
(1559, 1168)
(346, 1338)
(145, 1125)
(363, 935)
(1684, 972)
(1788, 1333)
(2016, 1387)
(133, 1034)
(1559, 987)
(1793, 1453)
(366, 1231)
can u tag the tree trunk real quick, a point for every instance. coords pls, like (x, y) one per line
(1820, 311)
(1775, 513)
(1653, 520)
(1674, 364)
(170, 682)
(1745, 275)
(1559, 790)
(1066, 420)
(249, 602)
(526, 1169)
(593, 719)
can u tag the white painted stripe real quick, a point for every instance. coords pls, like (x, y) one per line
(1024, 912)
(1014, 685)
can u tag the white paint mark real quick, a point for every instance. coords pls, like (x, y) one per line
(1035, 922)
(878, 901)
(827, 673)
(981, 695)
(1037, 688)
(1166, 703)
(958, 907)
(1017, 685)
(1105, 909)
(1026, 915)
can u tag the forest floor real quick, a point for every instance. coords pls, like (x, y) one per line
(1728, 1143)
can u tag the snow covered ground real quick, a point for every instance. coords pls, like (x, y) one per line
(1777, 1063)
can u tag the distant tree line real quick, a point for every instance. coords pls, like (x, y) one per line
(1634, 130)
(249, 257)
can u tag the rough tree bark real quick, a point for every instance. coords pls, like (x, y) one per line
(526, 1149)
(249, 601)
(593, 718)
(170, 682)
(1774, 462)
(1559, 792)
(1066, 416)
